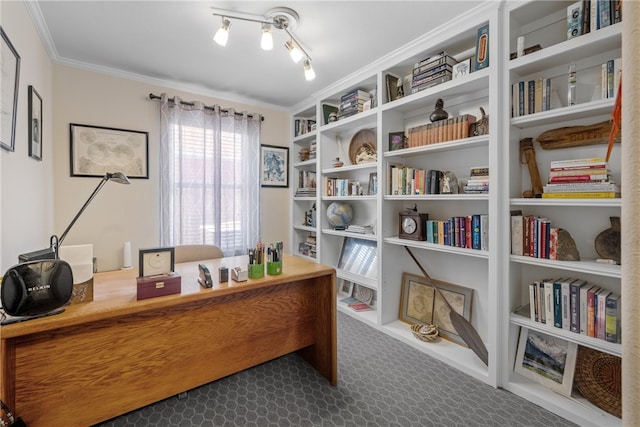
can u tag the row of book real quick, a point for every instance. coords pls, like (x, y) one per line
(469, 231)
(610, 78)
(352, 103)
(580, 178)
(432, 71)
(585, 16)
(302, 126)
(407, 180)
(342, 187)
(441, 131)
(577, 306)
(533, 236)
(531, 96)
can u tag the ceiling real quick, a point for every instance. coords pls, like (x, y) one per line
(170, 42)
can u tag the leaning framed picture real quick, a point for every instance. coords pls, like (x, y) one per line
(10, 72)
(274, 166)
(421, 303)
(547, 360)
(97, 150)
(35, 124)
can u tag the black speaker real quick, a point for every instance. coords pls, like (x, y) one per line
(36, 287)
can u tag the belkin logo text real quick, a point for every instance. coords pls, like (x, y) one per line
(38, 288)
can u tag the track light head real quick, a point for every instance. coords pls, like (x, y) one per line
(294, 51)
(267, 38)
(309, 74)
(222, 35)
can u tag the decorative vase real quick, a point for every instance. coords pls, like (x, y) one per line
(608, 241)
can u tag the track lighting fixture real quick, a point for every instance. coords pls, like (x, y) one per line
(222, 35)
(280, 18)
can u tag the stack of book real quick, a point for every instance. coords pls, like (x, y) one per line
(360, 229)
(353, 103)
(308, 247)
(478, 181)
(432, 71)
(306, 184)
(580, 178)
(577, 306)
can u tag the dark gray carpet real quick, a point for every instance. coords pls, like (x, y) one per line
(381, 382)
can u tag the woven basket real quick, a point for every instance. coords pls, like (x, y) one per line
(598, 376)
(424, 332)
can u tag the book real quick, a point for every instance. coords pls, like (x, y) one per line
(482, 48)
(604, 11)
(576, 162)
(549, 300)
(574, 19)
(612, 317)
(577, 178)
(578, 172)
(533, 307)
(601, 311)
(591, 311)
(574, 300)
(581, 195)
(541, 302)
(557, 304)
(566, 303)
(392, 81)
(360, 306)
(517, 235)
(583, 308)
(484, 232)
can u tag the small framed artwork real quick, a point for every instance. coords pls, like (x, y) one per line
(421, 303)
(462, 68)
(345, 288)
(10, 72)
(397, 141)
(35, 124)
(156, 261)
(97, 150)
(274, 166)
(547, 360)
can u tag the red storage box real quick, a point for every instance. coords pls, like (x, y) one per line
(158, 286)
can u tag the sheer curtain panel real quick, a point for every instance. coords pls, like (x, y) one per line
(209, 176)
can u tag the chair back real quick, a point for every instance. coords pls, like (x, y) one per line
(188, 253)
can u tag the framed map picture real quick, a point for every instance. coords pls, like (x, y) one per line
(274, 166)
(97, 150)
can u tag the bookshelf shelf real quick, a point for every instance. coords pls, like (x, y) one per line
(597, 344)
(343, 233)
(583, 266)
(458, 144)
(436, 247)
(564, 114)
(440, 197)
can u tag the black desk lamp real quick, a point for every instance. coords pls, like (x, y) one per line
(52, 251)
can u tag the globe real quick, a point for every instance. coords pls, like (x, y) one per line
(339, 215)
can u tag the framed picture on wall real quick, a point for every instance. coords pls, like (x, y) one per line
(274, 166)
(10, 72)
(35, 124)
(96, 150)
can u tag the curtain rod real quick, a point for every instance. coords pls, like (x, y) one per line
(152, 96)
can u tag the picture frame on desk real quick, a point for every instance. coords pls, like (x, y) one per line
(421, 303)
(156, 261)
(35, 124)
(547, 360)
(10, 71)
(274, 166)
(97, 150)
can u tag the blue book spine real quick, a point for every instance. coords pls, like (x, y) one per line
(475, 231)
(557, 305)
(447, 240)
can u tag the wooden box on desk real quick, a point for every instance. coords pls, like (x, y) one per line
(159, 285)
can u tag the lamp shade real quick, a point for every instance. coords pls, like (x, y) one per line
(36, 287)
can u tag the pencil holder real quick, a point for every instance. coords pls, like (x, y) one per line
(274, 268)
(256, 271)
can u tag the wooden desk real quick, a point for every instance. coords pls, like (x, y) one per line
(100, 359)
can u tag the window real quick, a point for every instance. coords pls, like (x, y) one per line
(209, 178)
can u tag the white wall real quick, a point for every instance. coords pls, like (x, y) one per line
(26, 185)
(41, 198)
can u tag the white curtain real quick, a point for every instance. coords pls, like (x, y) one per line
(209, 176)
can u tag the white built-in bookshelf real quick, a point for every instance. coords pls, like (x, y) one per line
(499, 280)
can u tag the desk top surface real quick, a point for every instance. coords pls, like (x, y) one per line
(115, 292)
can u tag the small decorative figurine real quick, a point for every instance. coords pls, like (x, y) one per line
(439, 113)
(337, 163)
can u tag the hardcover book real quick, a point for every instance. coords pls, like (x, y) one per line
(482, 48)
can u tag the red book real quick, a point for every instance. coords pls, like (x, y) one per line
(578, 178)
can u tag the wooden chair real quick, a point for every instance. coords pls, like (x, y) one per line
(188, 253)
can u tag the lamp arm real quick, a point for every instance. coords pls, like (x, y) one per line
(64, 234)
